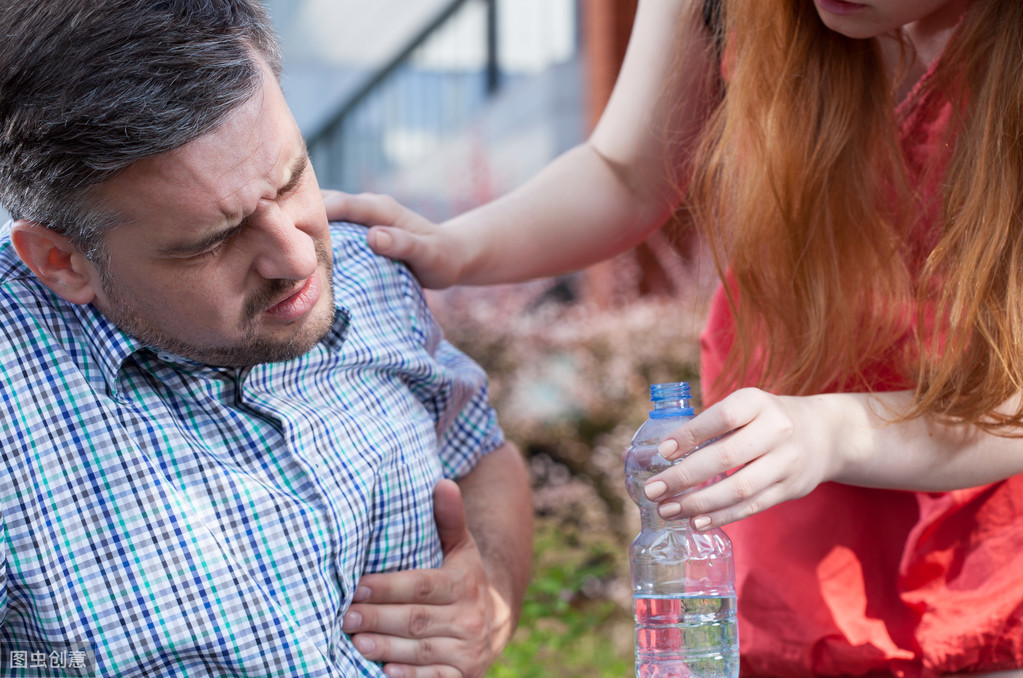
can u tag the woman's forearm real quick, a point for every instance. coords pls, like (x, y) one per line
(574, 213)
(923, 453)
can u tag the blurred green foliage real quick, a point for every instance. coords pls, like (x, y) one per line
(564, 629)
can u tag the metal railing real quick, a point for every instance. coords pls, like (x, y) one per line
(428, 91)
(404, 109)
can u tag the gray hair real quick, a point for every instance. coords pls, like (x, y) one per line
(89, 87)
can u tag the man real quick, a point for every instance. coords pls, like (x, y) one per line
(218, 412)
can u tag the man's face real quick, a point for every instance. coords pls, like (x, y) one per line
(225, 255)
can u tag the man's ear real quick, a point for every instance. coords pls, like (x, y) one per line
(55, 261)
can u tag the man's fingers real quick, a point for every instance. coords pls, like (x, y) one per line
(405, 621)
(435, 671)
(427, 587)
(405, 657)
(449, 512)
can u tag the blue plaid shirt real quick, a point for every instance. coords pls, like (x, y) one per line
(166, 518)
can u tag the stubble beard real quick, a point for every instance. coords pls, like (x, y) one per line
(252, 348)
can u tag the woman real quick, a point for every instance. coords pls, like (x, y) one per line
(858, 169)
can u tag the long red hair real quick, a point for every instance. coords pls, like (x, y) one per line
(801, 189)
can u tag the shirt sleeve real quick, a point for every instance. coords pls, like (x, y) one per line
(455, 391)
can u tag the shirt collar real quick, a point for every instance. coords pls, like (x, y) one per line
(112, 346)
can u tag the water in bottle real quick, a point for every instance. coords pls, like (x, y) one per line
(683, 581)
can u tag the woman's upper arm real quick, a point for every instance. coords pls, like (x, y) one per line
(663, 94)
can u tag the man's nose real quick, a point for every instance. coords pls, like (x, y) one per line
(285, 251)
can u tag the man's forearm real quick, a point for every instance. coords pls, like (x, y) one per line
(499, 511)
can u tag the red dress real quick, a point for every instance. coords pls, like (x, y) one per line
(850, 580)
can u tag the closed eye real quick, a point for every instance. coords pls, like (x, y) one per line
(212, 251)
(210, 246)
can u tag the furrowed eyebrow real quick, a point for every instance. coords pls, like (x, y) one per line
(297, 172)
(208, 241)
(203, 244)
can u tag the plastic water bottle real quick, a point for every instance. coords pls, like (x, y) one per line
(683, 581)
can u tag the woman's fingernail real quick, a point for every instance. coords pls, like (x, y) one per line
(361, 594)
(669, 510)
(700, 522)
(655, 489)
(669, 446)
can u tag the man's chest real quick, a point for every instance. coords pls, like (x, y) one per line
(205, 506)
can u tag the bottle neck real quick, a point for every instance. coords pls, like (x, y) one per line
(670, 401)
(671, 410)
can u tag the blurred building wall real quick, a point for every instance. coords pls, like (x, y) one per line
(479, 99)
(606, 27)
